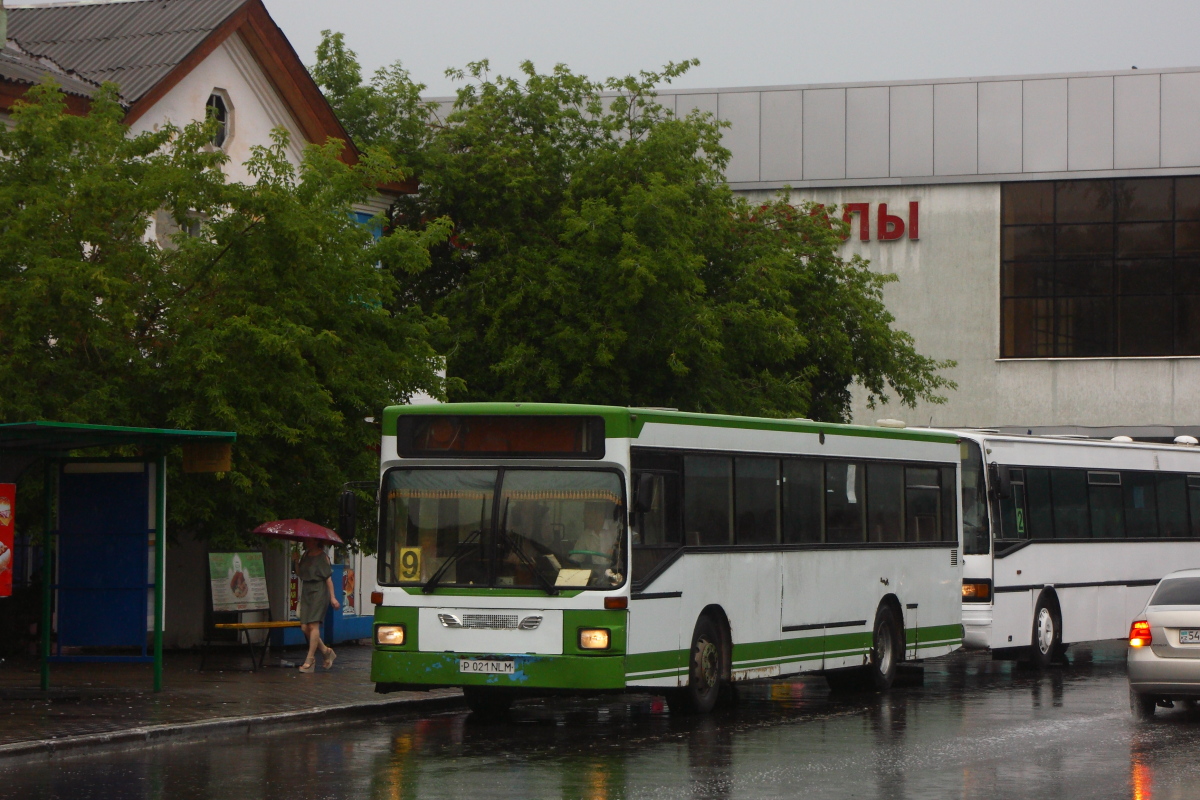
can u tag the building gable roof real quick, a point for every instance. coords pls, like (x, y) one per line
(146, 47)
(132, 44)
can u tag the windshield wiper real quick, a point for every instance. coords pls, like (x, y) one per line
(550, 588)
(432, 583)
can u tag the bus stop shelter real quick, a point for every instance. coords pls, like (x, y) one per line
(110, 521)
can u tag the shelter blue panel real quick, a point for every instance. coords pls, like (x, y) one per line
(103, 559)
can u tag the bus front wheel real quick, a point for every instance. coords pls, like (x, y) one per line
(705, 668)
(1046, 644)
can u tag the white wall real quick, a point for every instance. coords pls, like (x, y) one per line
(257, 107)
(948, 298)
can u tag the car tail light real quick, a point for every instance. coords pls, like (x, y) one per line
(1139, 634)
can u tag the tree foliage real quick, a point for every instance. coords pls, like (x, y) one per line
(599, 256)
(270, 312)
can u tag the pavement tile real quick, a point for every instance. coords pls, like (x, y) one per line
(108, 698)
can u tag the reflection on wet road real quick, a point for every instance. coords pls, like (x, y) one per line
(976, 728)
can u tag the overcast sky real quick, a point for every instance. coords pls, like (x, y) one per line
(755, 42)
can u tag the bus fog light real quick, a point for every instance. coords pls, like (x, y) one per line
(593, 638)
(389, 634)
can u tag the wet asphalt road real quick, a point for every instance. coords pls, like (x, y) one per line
(976, 728)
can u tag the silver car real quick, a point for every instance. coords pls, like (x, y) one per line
(1164, 646)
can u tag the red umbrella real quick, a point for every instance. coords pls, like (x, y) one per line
(297, 530)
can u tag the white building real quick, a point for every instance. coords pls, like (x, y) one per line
(1057, 255)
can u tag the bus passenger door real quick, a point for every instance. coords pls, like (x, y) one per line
(655, 648)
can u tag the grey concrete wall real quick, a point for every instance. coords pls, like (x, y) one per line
(948, 298)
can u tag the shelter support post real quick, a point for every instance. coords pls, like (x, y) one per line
(47, 571)
(160, 564)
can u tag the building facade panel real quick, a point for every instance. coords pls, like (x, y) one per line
(955, 128)
(824, 134)
(1044, 127)
(782, 136)
(1136, 121)
(741, 110)
(1000, 129)
(911, 128)
(1090, 123)
(867, 132)
(1180, 119)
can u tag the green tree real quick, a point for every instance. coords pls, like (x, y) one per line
(267, 313)
(599, 256)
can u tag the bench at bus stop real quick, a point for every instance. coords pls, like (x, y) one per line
(257, 656)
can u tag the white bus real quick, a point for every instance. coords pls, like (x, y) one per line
(538, 548)
(1064, 538)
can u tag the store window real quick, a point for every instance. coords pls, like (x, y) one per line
(1100, 268)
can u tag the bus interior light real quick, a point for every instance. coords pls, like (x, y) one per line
(1139, 634)
(593, 638)
(976, 591)
(389, 634)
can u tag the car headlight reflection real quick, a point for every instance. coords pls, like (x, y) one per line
(389, 634)
(593, 638)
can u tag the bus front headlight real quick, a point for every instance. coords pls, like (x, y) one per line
(593, 638)
(389, 634)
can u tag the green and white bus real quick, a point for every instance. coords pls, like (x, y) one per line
(533, 548)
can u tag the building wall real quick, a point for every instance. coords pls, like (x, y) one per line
(256, 107)
(948, 298)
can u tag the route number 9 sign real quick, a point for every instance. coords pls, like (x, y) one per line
(410, 563)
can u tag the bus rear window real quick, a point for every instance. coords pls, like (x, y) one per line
(455, 436)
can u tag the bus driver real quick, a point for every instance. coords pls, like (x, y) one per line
(594, 548)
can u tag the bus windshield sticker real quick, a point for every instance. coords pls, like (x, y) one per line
(410, 563)
(573, 577)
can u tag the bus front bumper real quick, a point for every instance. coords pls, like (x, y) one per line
(977, 625)
(430, 670)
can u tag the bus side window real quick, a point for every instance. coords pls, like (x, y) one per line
(1193, 485)
(1172, 505)
(1069, 489)
(708, 500)
(844, 502)
(656, 531)
(950, 506)
(1141, 505)
(1012, 508)
(803, 500)
(1037, 501)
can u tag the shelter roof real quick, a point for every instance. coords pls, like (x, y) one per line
(60, 437)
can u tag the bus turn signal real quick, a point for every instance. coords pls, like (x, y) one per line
(1139, 634)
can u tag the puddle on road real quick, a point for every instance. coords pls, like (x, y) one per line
(975, 729)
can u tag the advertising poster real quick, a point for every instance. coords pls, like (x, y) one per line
(239, 581)
(348, 604)
(8, 507)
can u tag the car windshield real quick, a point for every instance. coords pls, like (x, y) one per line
(1177, 592)
(548, 529)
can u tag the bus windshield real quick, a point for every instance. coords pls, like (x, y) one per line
(519, 528)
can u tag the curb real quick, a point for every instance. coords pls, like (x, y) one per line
(248, 725)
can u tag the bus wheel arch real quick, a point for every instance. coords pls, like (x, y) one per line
(1045, 645)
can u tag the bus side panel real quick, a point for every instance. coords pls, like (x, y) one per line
(748, 588)
(1079, 607)
(655, 655)
(1012, 619)
(803, 649)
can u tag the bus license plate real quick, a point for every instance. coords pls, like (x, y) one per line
(1189, 635)
(487, 666)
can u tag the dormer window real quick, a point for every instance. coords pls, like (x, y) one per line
(217, 108)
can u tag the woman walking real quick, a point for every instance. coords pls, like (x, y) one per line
(316, 595)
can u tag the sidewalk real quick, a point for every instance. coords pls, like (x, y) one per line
(97, 704)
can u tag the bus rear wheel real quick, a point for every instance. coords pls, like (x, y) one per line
(488, 701)
(886, 650)
(705, 669)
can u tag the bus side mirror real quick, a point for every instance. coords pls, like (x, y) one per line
(644, 498)
(347, 516)
(1001, 480)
